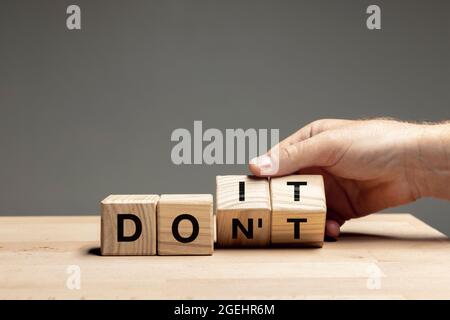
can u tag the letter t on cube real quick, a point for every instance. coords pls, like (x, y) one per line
(298, 210)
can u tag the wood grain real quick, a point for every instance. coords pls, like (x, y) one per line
(256, 206)
(199, 206)
(412, 259)
(311, 206)
(143, 206)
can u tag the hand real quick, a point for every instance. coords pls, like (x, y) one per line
(367, 165)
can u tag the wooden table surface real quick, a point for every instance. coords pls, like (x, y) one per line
(381, 256)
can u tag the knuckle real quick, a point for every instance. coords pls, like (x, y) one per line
(318, 126)
(287, 152)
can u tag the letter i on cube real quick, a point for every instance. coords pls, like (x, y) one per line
(243, 211)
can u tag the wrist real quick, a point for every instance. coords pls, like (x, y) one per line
(433, 161)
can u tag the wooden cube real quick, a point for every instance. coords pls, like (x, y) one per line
(128, 225)
(185, 224)
(243, 211)
(298, 210)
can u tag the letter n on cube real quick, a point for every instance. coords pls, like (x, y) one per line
(243, 211)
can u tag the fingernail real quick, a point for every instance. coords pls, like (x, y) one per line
(263, 162)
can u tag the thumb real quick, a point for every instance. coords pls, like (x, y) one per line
(318, 151)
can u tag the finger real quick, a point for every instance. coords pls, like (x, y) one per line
(333, 224)
(287, 159)
(268, 164)
(332, 229)
(322, 150)
(339, 199)
(336, 217)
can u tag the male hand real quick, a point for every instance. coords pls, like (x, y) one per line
(367, 165)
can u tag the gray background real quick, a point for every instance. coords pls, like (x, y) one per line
(88, 113)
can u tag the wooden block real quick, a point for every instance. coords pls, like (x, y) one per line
(185, 224)
(128, 225)
(298, 210)
(243, 211)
